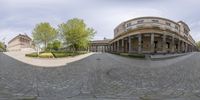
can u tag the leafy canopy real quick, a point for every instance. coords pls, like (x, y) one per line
(55, 45)
(76, 33)
(198, 44)
(44, 33)
(1, 45)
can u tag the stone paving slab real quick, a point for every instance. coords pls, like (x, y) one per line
(103, 76)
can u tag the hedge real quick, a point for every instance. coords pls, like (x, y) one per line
(46, 55)
(32, 54)
(135, 55)
(55, 54)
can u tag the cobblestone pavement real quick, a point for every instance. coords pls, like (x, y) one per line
(103, 77)
(42, 62)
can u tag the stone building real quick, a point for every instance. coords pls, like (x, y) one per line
(100, 45)
(152, 35)
(20, 43)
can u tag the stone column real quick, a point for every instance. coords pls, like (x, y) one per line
(115, 46)
(186, 47)
(189, 48)
(179, 43)
(108, 48)
(112, 47)
(118, 46)
(183, 49)
(164, 43)
(122, 48)
(173, 43)
(181, 46)
(127, 39)
(152, 43)
(139, 43)
(96, 48)
(129, 44)
(104, 48)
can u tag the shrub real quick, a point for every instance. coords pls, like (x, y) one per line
(116, 53)
(32, 54)
(82, 52)
(46, 55)
(137, 55)
(124, 54)
(60, 54)
(56, 54)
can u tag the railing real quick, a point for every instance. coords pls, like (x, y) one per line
(151, 25)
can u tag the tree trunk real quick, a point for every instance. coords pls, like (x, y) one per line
(45, 45)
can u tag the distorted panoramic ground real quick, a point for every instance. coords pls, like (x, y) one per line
(103, 76)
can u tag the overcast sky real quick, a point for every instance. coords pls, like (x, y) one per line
(20, 16)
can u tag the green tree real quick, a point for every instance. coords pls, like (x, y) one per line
(44, 33)
(2, 46)
(198, 44)
(49, 47)
(76, 33)
(56, 45)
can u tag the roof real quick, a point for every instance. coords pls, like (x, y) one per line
(152, 17)
(101, 41)
(20, 35)
(184, 24)
(148, 17)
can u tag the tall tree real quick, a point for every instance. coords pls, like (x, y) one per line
(44, 33)
(56, 45)
(198, 45)
(76, 33)
(2, 46)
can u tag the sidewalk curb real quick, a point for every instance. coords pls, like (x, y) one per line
(167, 56)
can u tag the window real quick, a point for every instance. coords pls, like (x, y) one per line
(140, 21)
(155, 21)
(167, 23)
(128, 24)
(176, 27)
(185, 31)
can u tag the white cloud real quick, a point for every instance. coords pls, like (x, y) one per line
(22, 15)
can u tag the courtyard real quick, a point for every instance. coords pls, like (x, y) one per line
(102, 76)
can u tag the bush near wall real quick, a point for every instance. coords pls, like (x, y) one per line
(67, 53)
(134, 55)
(56, 54)
(32, 54)
(46, 55)
(137, 55)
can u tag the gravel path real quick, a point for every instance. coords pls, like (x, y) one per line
(103, 76)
